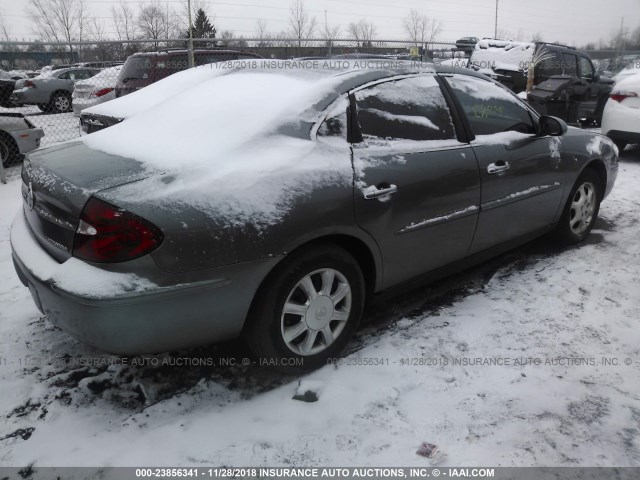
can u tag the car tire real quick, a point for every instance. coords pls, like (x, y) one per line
(581, 210)
(44, 107)
(60, 103)
(307, 309)
(8, 149)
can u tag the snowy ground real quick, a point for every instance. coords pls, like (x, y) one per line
(536, 304)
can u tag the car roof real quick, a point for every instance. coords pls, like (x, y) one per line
(185, 51)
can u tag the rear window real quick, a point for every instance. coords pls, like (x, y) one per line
(136, 68)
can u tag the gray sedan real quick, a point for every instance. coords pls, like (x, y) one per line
(288, 199)
(52, 90)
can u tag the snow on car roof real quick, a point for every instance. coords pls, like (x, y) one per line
(125, 107)
(502, 55)
(217, 134)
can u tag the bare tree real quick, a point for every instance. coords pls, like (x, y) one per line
(4, 31)
(302, 25)
(261, 28)
(123, 20)
(152, 21)
(537, 37)
(57, 20)
(421, 29)
(362, 32)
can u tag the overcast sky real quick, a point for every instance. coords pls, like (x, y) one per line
(568, 21)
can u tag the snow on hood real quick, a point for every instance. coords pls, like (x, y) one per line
(502, 55)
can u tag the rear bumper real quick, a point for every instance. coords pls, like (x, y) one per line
(624, 136)
(151, 320)
(27, 139)
(29, 96)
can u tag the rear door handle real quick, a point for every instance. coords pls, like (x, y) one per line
(371, 193)
(499, 167)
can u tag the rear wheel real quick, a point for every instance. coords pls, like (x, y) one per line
(8, 149)
(581, 210)
(60, 102)
(307, 310)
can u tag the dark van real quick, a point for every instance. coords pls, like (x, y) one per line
(142, 69)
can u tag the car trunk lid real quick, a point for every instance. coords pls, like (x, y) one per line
(58, 181)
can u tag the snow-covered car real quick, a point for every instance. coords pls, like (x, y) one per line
(98, 89)
(630, 71)
(17, 136)
(288, 199)
(621, 117)
(51, 90)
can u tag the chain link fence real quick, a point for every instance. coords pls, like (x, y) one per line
(45, 86)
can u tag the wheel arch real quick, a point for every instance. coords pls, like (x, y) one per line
(11, 144)
(598, 166)
(367, 256)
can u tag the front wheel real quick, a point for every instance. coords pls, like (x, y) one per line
(307, 310)
(581, 210)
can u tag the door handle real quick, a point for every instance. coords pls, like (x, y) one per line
(371, 193)
(499, 167)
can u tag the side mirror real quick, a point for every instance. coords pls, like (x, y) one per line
(552, 126)
(596, 77)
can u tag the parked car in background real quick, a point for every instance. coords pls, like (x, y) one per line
(508, 63)
(143, 69)
(467, 44)
(629, 71)
(98, 89)
(298, 198)
(7, 84)
(17, 136)
(621, 118)
(52, 90)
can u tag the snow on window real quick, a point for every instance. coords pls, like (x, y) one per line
(410, 109)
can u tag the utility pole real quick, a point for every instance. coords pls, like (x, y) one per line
(495, 34)
(326, 30)
(191, 60)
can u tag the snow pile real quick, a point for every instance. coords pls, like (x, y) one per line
(502, 55)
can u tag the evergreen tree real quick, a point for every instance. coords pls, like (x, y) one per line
(202, 28)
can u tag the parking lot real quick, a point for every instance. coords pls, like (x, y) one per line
(529, 359)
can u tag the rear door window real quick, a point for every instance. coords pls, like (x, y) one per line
(490, 108)
(406, 109)
(570, 64)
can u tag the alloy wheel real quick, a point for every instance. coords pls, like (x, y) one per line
(583, 207)
(316, 311)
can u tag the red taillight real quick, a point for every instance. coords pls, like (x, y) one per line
(29, 84)
(101, 92)
(109, 234)
(620, 96)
